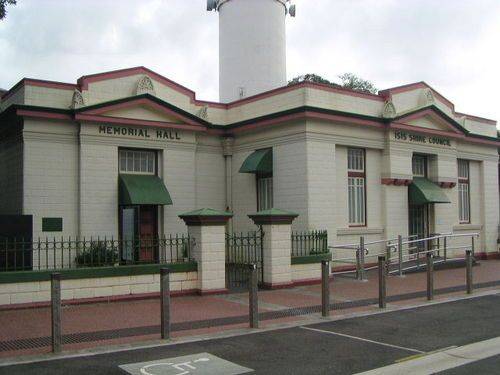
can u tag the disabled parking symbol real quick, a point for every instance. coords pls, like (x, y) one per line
(195, 364)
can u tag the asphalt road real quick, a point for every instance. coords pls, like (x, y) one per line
(341, 347)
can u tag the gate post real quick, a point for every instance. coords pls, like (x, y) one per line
(207, 229)
(277, 246)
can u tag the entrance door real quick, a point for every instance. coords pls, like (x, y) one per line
(419, 222)
(139, 233)
(148, 233)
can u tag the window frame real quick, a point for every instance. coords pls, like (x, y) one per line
(357, 175)
(258, 178)
(463, 181)
(425, 161)
(154, 153)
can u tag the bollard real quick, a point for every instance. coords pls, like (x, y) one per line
(468, 267)
(382, 287)
(445, 255)
(325, 288)
(430, 276)
(362, 258)
(400, 255)
(358, 265)
(253, 300)
(165, 303)
(55, 292)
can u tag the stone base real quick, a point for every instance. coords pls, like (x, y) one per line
(211, 292)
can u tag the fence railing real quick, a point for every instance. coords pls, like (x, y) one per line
(309, 243)
(47, 254)
(401, 251)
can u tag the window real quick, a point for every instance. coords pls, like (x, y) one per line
(356, 184)
(264, 192)
(463, 191)
(419, 165)
(136, 161)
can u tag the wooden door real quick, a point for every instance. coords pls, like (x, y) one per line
(148, 232)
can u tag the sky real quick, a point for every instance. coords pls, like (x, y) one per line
(453, 45)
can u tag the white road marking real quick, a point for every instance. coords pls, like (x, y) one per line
(442, 360)
(362, 339)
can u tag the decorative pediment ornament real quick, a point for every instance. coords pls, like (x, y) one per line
(427, 98)
(389, 110)
(145, 86)
(203, 112)
(78, 101)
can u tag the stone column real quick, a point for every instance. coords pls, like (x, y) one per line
(206, 227)
(277, 246)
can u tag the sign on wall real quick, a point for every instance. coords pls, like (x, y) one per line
(158, 134)
(431, 140)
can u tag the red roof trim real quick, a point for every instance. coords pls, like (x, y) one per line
(305, 115)
(431, 113)
(412, 86)
(476, 118)
(41, 114)
(38, 83)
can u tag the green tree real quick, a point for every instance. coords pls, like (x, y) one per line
(3, 5)
(352, 81)
(314, 78)
(348, 80)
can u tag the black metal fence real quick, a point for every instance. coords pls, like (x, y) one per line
(243, 249)
(60, 253)
(309, 243)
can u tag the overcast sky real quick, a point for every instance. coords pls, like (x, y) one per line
(454, 45)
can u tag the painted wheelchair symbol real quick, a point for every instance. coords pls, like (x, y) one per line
(184, 367)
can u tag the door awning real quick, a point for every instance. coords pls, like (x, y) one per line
(142, 190)
(423, 191)
(260, 161)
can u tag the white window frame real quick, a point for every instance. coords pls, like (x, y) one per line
(135, 161)
(264, 193)
(463, 191)
(356, 186)
(419, 165)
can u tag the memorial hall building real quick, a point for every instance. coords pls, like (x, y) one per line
(121, 154)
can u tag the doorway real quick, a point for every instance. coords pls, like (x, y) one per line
(419, 222)
(139, 233)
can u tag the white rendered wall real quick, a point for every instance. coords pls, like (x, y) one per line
(252, 47)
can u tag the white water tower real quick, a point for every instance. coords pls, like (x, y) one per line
(252, 46)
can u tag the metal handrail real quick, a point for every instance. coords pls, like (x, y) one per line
(397, 244)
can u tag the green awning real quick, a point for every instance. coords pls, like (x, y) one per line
(260, 161)
(142, 190)
(423, 191)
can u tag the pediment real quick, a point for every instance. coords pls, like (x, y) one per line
(142, 112)
(429, 119)
(143, 108)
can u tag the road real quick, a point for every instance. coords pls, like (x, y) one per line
(393, 341)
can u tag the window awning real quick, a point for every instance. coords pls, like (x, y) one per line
(423, 191)
(142, 190)
(260, 161)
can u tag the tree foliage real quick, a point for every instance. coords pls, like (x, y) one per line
(3, 6)
(314, 78)
(348, 80)
(352, 81)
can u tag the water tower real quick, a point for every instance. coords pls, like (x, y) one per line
(252, 46)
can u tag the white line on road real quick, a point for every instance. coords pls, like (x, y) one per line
(362, 339)
(442, 360)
